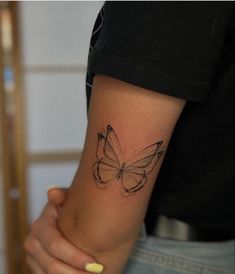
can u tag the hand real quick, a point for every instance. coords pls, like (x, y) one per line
(48, 252)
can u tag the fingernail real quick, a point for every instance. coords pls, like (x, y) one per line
(51, 187)
(94, 268)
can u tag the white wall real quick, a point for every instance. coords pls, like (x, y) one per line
(54, 35)
(57, 32)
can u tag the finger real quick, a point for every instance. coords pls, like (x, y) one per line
(34, 266)
(57, 196)
(47, 264)
(58, 247)
(50, 211)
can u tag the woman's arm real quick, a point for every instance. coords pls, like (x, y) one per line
(128, 131)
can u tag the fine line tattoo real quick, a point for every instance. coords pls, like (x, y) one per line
(110, 167)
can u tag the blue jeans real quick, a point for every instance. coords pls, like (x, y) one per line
(153, 255)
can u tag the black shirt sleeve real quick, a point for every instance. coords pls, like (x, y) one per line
(169, 47)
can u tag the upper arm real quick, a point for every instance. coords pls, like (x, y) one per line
(118, 169)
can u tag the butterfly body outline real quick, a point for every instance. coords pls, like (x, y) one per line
(110, 167)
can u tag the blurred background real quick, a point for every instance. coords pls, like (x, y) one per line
(43, 56)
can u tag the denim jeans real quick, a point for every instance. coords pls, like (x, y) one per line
(152, 255)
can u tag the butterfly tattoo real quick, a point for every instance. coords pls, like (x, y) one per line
(110, 165)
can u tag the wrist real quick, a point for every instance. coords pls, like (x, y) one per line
(92, 239)
(113, 259)
(100, 245)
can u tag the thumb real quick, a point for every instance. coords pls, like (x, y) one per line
(57, 195)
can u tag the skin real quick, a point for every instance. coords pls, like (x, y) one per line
(47, 250)
(101, 221)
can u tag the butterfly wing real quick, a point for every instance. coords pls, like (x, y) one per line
(134, 175)
(107, 166)
(108, 146)
(132, 181)
(146, 159)
(105, 172)
(100, 146)
(112, 148)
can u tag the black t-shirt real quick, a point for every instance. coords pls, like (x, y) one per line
(186, 50)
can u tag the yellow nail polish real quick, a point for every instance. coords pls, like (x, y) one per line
(94, 268)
